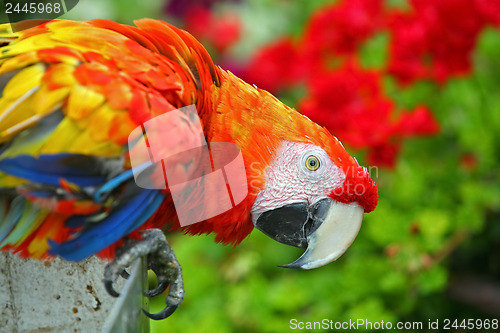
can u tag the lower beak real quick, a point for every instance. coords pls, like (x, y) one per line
(326, 228)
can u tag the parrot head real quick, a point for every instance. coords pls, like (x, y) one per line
(305, 190)
(313, 200)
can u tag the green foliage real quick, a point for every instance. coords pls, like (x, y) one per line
(123, 11)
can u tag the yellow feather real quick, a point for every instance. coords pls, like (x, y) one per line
(82, 101)
(85, 144)
(10, 181)
(36, 43)
(88, 37)
(5, 30)
(14, 112)
(17, 62)
(77, 141)
(101, 122)
(23, 81)
(62, 138)
(47, 100)
(64, 24)
(61, 75)
(20, 113)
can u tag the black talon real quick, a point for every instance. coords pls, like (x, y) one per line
(160, 259)
(109, 288)
(174, 298)
(165, 313)
(111, 273)
(160, 288)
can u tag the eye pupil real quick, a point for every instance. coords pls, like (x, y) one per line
(312, 163)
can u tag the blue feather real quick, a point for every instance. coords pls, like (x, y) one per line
(126, 218)
(49, 169)
(76, 221)
(120, 179)
(102, 193)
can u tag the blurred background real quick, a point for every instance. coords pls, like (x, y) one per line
(412, 89)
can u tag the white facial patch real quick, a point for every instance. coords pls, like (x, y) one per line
(289, 180)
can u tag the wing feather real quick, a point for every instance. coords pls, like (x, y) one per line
(73, 92)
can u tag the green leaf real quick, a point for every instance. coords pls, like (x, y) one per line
(432, 280)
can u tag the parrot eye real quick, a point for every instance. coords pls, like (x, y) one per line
(312, 163)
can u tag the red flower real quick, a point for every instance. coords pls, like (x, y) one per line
(274, 66)
(408, 47)
(221, 31)
(340, 28)
(419, 122)
(490, 10)
(383, 155)
(350, 103)
(335, 30)
(197, 21)
(435, 40)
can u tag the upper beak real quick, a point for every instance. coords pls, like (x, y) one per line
(326, 228)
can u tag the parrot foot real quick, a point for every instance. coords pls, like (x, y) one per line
(161, 260)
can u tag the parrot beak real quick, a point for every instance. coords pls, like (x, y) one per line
(326, 229)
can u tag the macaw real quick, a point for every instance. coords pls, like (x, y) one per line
(73, 92)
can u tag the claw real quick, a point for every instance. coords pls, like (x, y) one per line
(162, 286)
(160, 259)
(108, 283)
(174, 299)
(165, 313)
(111, 273)
(109, 288)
